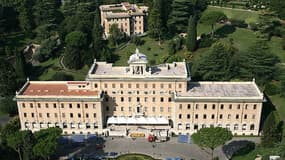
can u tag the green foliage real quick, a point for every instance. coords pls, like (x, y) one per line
(278, 7)
(271, 89)
(258, 63)
(11, 127)
(46, 49)
(212, 137)
(137, 40)
(154, 20)
(191, 41)
(212, 17)
(8, 105)
(271, 131)
(20, 65)
(97, 34)
(217, 64)
(25, 17)
(61, 76)
(7, 78)
(76, 44)
(116, 36)
(44, 31)
(46, 142)
(282, 86)
(174, 45)
(205, 41)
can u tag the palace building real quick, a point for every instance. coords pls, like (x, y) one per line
(131, 18)
(138, 100)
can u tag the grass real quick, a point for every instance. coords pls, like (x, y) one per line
(247, 16)
(134, 157)
(252, 154)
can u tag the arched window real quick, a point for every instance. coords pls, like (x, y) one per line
(179, 126)
(236, 127)
(204, 126)
(252, 127)
(244, 127)
(228, 126)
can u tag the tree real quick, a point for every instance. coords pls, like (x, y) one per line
(76, 43)
(97, 33)
(191, 41)
(46, 142)
(213, 17)
(20, 67)
(278, 7)
(15, 141)
(282, 86)
(7, 78)
(25, 17)
(258, 63)
(181, 11)
(11, 127)
(271, 132)
(8, 105)
(46, 50)
(212, 137)
(115, 34)
(217, 64)
(61, 76)
(154, 21)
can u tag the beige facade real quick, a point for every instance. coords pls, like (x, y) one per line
(130, 18)
(140, 99)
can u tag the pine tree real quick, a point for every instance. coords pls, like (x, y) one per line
(97, 34)
(154, 21)
(7, 78)
(20, 67)
(25, 17)
(191, 41)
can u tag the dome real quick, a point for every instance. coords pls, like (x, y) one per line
(137, 57)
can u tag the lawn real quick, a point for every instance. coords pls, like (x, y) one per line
(246, 15)
(252, 154)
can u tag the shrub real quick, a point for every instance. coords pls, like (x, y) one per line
(205, 41)
(253, 26)
(271, 89)
(137, 40)
(238, 23)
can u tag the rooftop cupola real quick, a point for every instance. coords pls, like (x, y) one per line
(137, 63)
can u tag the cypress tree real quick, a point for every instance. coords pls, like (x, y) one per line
(97, 34)
(154, 21)
(7, 78)
(191, 41)
(20, 66)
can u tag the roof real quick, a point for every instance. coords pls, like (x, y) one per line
(44, 88)
(221, 89)
(137, 120)
(137, 57)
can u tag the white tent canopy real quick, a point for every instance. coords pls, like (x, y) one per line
(138, 120)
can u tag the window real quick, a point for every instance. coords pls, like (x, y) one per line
(205, 106)
(161, 109)
(180, 85)
(107, 108)
(122, 99)
(23, 105)
(153, 109)
(153, 99)
(138, 99)
(197, 106)
(145, 85)
(145, 109)
(187, 126)
(55, 115)
(70, 105)
(48, 115)
(244, 127)
(129, 85)
(169, 99)
(161, 86)
(40, 115)
(113, 85)
(246, 106)
(39, 105)
(222, 106)
(63, 115)
(236, 127)
(180, 116)
(204, 116)
(180, 106)
(121, 85)
(213, 116)
(33, 115)
(221, 116)
(105, 85)
(31, 105)
(71, 115)
(238, 107)
(237, 116)
(54, 105)
(79, 115)
(228, 126)
(254, 106)
(188, 116)
(196, 126)
(253, 116)
(130, 109)
(252, 127)
(62, 105)
(189, 106)
(94, 106)
(95, 85)
(94, 115)
(196, 116)
(169, 109)
(229, 116)
(213, 106)
(78, 105)
(115, 108)
(230, 106)
(137, 85)
(46, 105)
(161, 99)
(245, 116)
(107, 99)
(122, 108)
(145, 99)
